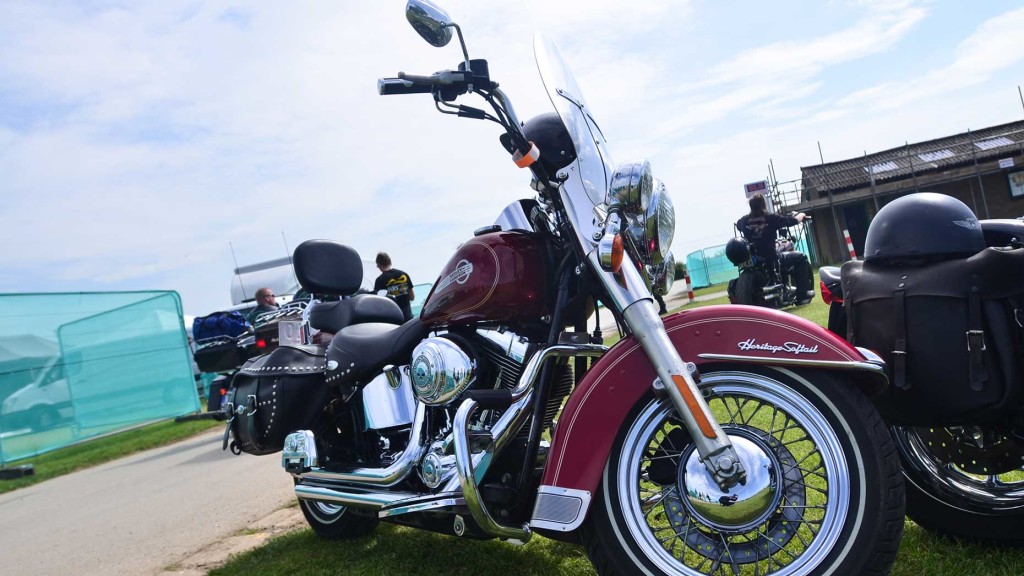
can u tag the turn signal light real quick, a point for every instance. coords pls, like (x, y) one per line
(618, 250)
(611, 251)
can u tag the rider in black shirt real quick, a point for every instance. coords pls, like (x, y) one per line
(761, 228)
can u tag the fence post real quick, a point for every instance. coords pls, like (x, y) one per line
(849, 244)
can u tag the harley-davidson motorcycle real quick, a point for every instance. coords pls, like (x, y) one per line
(722, 440)
(760, 282)
(940, 296)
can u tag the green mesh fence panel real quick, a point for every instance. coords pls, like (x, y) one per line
(709, 266)
(75, 366)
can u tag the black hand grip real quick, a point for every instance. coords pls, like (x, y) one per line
(393, 86)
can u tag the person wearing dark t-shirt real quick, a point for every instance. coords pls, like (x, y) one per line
(761, 228)
(397, 284)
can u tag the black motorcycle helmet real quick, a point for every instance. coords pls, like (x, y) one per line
(552, 139)
(923, 225)
(737, 251)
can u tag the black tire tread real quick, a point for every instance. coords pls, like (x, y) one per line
(351, 526)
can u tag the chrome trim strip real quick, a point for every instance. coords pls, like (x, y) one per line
(838, 364)
(561, 509)
(422, 503)
(361, 500)
(871, 357)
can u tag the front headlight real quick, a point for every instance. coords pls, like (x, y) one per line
(631, 187)
(650, 232)
(660, 225)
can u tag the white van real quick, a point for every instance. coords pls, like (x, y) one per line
(42, 404)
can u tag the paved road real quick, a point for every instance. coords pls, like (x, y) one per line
(140, 514)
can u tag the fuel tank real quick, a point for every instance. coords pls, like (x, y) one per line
(495, 277)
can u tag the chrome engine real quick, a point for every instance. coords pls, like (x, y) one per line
(441, 370)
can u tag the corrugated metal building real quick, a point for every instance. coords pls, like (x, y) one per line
(982, 168)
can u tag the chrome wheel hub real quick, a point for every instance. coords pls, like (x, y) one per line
(743, 506)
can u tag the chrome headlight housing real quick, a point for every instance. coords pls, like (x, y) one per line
(632, 187)
(660, 225)
(663, 275)
(650, 233)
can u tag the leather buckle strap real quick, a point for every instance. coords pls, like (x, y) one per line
(975, 341)
(976, 338)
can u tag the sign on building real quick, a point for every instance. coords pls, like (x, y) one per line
(755, 188)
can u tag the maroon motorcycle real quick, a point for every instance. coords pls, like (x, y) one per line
(723, 440)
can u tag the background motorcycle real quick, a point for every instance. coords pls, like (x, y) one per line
(761, 282)
(775, 460)
(961, 443)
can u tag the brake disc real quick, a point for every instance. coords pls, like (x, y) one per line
(974, 450)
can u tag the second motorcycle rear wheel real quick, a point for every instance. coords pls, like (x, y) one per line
(748, 289)
(965, 483)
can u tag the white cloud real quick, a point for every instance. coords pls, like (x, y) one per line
(137, 141)
(997, 45)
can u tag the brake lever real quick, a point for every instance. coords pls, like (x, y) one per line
(442, 78)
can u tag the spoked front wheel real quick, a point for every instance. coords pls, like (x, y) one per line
(823, 493)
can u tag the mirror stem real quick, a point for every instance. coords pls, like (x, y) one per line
(465, 53)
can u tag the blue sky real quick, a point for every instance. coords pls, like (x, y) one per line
(140, 141)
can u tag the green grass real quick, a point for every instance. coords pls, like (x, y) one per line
(105, 449)
(394, 550)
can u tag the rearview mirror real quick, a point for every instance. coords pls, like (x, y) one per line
(430, 21)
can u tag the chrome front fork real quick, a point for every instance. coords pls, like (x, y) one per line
(713, 445)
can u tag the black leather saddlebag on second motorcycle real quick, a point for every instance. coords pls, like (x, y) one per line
(949, 332)
(274, 395)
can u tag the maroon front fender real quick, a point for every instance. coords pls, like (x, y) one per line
(598, 407)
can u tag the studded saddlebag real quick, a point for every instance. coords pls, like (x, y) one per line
(274, 395)
(949, 332)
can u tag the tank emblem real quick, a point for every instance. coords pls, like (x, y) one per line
(970, 224)
(463, 270)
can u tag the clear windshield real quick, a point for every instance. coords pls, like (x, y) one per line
(594, 162)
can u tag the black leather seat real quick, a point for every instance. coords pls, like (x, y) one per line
(829, 274)
(358, 352)
(334, 316)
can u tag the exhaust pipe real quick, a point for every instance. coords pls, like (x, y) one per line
(372, 501)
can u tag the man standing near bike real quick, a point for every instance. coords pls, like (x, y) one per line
(760, 228)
